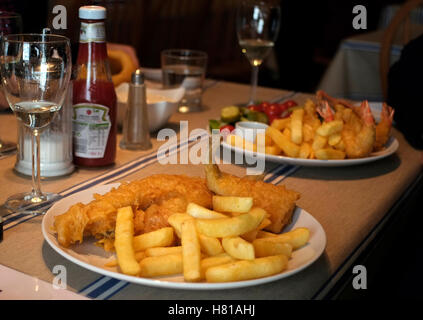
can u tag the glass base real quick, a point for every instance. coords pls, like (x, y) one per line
(28, 203)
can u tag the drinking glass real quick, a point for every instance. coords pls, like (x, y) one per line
(35, 70)
(257, 25)
(9, 23)
(186, 68)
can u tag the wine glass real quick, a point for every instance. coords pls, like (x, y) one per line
(10, 22)
(257, 25)
(35, 70)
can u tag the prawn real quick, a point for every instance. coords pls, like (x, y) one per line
(359, 141)
(383, 128)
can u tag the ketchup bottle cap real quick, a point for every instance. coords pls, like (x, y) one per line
(92, 13)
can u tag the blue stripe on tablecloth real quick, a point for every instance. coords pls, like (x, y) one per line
(108, 177)
(103, 288)
(367, 46)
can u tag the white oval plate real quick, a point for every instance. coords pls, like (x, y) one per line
(390, 148)
(91, 257)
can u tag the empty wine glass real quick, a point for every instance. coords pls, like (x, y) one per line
(35, 70)
(257, 25)
(10, 22)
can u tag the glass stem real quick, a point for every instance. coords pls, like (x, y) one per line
(36, 167)
(254, 78)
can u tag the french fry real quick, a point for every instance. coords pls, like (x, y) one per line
(250, 236)
(159, 238)
(210, 246)
(296, 238)
(231, 227)
(281, 124)
(297, 126)
(162, 251)
(265, 234)
(247, 269)
(283, 142)
(263, 248)
(329, 154)
(176, 220)
(328, 128)
(262, 139)
(346, 114)
(161, 265)
(191, 254)
(196, 211)
(319, 142)
(240, 142)
(232, 204)
(238, 248)
(334, 139)
(273, 150)
(305, 150)
(124, 235)
(114, 263)
(308, 132)
(340, 146)
(214, 261)
(339, 107)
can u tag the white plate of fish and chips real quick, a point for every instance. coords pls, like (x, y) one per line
(389, 148)
(92, 257)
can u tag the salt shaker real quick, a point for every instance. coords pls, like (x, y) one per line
(136, 133)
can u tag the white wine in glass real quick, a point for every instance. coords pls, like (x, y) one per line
(35, 70)
(257, 30)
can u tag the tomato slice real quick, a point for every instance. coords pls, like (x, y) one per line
(288, 104)
(273, 110)
(255, 108)
(228, 127)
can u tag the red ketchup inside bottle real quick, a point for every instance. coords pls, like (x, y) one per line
(94, 99)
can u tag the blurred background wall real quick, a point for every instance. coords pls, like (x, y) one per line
(310, 33)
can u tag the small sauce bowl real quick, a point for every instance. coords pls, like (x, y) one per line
(249, 129)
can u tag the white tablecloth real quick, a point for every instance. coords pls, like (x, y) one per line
(354, 72)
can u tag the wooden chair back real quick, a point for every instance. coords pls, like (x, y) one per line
(402, 17)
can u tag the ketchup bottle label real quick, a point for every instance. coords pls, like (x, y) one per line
(92, 32)
(91, 127)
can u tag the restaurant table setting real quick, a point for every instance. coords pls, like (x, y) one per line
(339, 203)
(335, 197)
(354, 71)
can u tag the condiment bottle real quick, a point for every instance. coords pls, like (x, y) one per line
(94, 98)
(136, 133)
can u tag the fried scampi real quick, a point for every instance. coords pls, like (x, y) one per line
(153, 198)
(365, 127)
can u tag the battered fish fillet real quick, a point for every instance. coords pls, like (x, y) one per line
(278, 201)
(154, 199)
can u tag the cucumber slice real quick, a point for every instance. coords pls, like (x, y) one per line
(230, 114)
(214, 124)
(257, 116)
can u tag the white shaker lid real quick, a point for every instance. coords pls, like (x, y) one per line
(92, 12)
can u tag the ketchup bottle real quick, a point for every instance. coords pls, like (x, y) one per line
(94, 98)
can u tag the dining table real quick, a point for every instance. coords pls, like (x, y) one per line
(354, 71)
(351, 204)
